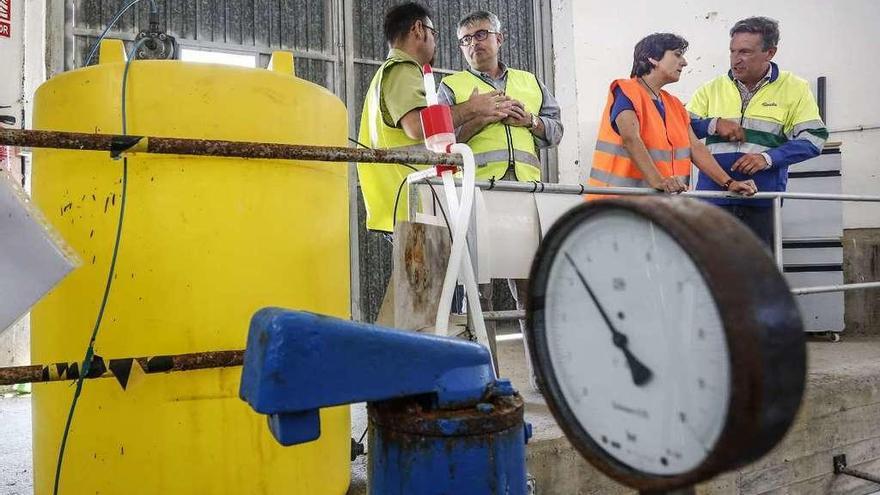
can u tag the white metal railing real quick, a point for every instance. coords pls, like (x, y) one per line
(777, 197)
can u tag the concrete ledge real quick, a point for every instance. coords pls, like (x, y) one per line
(840, 415)
(15, 347)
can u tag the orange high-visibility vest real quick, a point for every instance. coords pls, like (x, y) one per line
(668, 141)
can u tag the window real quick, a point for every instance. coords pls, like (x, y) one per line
(209, 57)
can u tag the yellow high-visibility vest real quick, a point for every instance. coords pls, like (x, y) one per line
(498, 147)
(381, 182)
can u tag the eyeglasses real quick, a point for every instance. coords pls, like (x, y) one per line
(480, 35)
(433, 31)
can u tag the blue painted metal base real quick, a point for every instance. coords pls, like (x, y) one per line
(472, 457)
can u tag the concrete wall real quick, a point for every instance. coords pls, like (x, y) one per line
(861, 256)
(12, 59)
(838, 416)
(22, 64)
(15, 343)
(34, 52)
(593, 42)
(22, 57)
(15, 348)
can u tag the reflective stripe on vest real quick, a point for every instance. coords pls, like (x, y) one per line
(607, 179)
(735, 147)
(380, 182)
(484, 159)
(656, 155)
(498, 146)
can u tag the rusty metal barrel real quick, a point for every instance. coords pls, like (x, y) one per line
(415, 448)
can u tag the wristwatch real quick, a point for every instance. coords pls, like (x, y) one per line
(534, 122)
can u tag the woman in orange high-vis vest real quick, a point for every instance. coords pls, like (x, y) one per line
(645, 136)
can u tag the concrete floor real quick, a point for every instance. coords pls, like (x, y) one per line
(16, 476)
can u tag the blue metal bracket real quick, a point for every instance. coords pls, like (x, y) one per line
(297, 363)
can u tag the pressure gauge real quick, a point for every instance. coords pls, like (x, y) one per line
(665, 340)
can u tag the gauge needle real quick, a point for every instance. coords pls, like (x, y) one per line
(641, 374)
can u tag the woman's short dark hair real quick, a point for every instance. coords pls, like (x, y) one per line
(654, 46)
(766, 27)
(400, 18)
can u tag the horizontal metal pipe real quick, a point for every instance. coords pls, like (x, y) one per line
(535, 187)
(855, 473)
(121, 368)
(518, 314)
(835, 288)
(504, 315)
(116, 144)
(858, 128)
(549, 188)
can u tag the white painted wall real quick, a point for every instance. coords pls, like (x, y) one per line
(22, 70)
(12, 62)
(593, 43)
(22, 58)
(34, 52)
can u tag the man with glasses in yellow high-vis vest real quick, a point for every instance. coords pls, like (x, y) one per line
(522, 116)
(505, 115)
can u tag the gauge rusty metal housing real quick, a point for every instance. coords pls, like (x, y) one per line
(762, 326)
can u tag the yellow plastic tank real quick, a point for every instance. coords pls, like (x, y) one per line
(205, 243)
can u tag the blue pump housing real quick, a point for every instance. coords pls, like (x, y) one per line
(298, 362)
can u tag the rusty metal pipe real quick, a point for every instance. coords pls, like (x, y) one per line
(840, 467)
(118, 144)
(121, 368)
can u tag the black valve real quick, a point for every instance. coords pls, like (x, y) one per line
(158, 44)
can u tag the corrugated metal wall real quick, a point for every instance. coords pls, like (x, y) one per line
(313, 29)
(518, 51)
(258, 27)
(517, 19)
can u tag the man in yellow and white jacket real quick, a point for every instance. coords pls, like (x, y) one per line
(757, 120)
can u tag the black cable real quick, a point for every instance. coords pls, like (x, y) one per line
(154, 9)
(396, 201)
(355, 141)
(90, 350)
(357, 447)
(442, 211)
(397, 198)
(433, 192)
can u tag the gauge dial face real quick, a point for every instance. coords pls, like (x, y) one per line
(637, 346)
